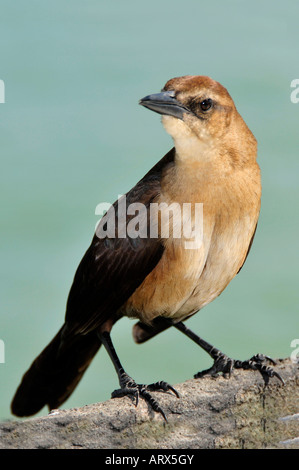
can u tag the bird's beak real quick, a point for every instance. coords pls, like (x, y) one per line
(164, 103)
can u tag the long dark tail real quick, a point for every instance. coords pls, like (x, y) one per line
(54, 374)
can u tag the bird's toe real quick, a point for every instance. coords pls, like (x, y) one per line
(130, 388)
(225, 365)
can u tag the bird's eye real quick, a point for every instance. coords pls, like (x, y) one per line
(206, 104)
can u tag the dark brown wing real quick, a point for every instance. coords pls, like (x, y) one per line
(112, 268)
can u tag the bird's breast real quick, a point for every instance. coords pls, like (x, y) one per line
(188, 277)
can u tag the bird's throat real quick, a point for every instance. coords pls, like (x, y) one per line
(189, 146)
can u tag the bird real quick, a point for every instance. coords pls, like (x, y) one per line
(134, 268)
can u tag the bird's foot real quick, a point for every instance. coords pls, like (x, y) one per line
(130, 387)
(224, 364)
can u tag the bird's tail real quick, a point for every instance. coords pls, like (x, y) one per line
(54, 374)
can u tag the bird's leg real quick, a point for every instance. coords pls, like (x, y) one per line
(128, 386)
(224, 364)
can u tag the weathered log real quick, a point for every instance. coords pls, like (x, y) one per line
(239, 412)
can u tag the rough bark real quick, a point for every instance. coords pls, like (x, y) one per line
(212, 413)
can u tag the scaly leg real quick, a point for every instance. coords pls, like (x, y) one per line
(224, 364)
(128, 386)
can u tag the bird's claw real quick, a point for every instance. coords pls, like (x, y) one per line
(223, 364)
(258, 362)
(130, 387)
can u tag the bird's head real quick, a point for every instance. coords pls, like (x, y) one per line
(196, 108)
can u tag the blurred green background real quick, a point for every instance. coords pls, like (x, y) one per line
(73, 135)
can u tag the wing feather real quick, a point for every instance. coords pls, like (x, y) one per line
(112, 268)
